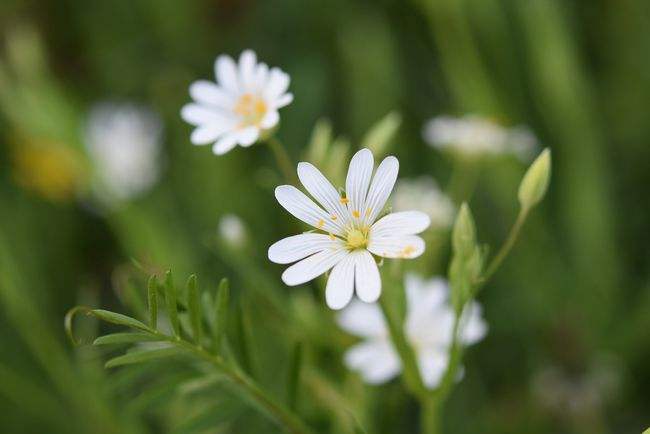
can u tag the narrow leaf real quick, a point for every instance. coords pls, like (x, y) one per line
(125, 338)
(143, 356)
(67, 322)
(119, 319)
(194, 308)
(221, 312)
(170, 301)
(243, 326)
(294, 375)
(152, 295)
(380, 135)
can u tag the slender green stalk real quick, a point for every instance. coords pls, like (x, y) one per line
(429, 417)
(506, 247)
(284, 417)
(283, 159)
(411, 371)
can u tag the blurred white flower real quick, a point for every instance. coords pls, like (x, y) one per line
(232, 230)
(351, 234)
(475, 135)
(123, 141)
(242, 104)
(423, 194)
(428, 328)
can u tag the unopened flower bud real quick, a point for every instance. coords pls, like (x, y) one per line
(535, 183)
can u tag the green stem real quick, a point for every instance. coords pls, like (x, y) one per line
(283, 159)
(275, 410)
(506, 247)
(430, 417)
(411, 372)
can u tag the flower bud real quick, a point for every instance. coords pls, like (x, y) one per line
(464, 233)
(378, 138)
(535, 182)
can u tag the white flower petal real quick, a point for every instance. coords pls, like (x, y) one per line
(401, 223)
(247, 62)
(406, 246)
(196, 114)
(430, 293)
(432, 364)
(472, 328)
(303, 208)
(297, 247)
(381, 187)
(278, 83)
(322, 190)
(209, 93)
(340, 284)
(376, 361)
(261, 76)
(225, 144)
(358, 181)
(283, 100)
(247, 136)
(226, 72)
(313, 266)
(206, 134)
(270, 120)
(363, 319)
(368, 282)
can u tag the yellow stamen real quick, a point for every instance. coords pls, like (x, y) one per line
(251, 108)
(408, 251)
(344, 200)
(332, 237)
(334, 217)
(356, 214)
(320, 224)
(368, 211)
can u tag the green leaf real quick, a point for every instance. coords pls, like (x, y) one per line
(221, 313)
(152, 296)
(194, 308)
(125, 338)
(294, 375)
(171, 303)
(379, 136)
(243, 328)
(119, 319)
(144, 356)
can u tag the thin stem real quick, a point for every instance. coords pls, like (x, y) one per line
(430, 417)
(275, 410)
(283, 159)
(411, 371)
(506, 247)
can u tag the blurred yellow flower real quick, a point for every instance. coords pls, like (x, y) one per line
(51, 169)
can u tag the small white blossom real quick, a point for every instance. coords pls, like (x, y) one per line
(240, 106)
(474, 135)
(348, 232)
(428, 328)
(123, 141)
(232, 230)
(423, 194)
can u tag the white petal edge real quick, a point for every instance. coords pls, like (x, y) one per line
(247, 63)
(283, 100)
(224, 144)
(363, 319)
(206, 134)
(340, 284)
(380, 188)
(270, 120)
(312, 267)
(323, 191)
(297, 247)
(206, 92)
(226, 72)
(367, 280)
(247, 136)
(303, 208)
(376, 361)
(358, 181)
(406, 247)
(401, 223)
(432, 364)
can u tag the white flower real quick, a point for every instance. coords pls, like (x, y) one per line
(123, 142)
(423, 194)
(349, 235)
(232, 230)
(428, 328)
(242, 104)
(474, 135)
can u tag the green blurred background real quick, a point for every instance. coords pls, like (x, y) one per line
(569, 313)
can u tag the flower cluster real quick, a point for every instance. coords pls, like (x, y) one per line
(428, 327)
(240, 106)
